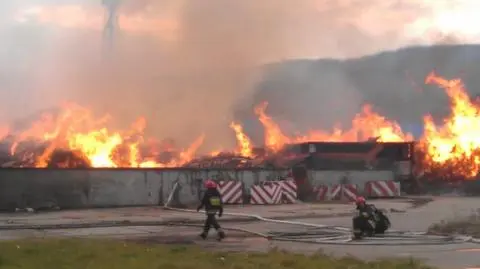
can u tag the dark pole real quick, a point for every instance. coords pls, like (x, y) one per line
(111, 24)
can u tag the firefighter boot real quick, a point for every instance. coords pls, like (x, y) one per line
(221, 234)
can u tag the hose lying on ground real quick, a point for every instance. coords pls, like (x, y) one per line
(406, 238)
(319, 234)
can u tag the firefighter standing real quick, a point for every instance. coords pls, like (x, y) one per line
(212, 201)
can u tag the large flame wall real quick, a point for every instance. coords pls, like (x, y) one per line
(38, 188)
(77, 138)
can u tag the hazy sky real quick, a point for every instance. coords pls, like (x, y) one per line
(310, 28)
(184, 63)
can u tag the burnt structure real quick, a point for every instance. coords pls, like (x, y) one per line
(398, 157)
(340, 156)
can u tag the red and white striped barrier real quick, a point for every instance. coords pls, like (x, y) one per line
(348, 192)
(231, 191)
(289, 191)
(288, 188)
(380, 189)
(266, 194)
(321, 193)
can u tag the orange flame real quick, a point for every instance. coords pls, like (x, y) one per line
(76, 129)
(455, 144)
(244, 142)
(365, 126)
(453, 147)
(275, 140)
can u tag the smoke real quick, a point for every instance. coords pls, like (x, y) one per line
(184, 64)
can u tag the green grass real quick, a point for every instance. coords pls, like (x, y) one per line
(110, 254)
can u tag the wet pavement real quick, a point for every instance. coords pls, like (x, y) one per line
(446, 256)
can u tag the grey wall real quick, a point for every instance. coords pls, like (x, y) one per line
(20, 188)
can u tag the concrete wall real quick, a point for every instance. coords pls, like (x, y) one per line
(191, 181)
(20, 188)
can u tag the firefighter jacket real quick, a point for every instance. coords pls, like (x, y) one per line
(212, 201)
(369, 210)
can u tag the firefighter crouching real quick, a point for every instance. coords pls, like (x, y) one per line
(368, 210)
(377, 220)
(363, 207)
(212, 201)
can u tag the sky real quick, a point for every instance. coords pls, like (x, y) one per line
(183, 64)
(322, 25)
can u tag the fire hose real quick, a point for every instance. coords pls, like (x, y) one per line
(336, 235)
(318, 233)
(300, 237)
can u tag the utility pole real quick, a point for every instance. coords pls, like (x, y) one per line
(111, 25)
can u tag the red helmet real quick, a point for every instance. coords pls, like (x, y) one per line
(360, 200)
(210, 184)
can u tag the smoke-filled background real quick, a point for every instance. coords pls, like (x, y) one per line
(192, 66)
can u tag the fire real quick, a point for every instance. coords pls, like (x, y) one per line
(97, 146)
(75, 137)
(455, 145)
(366, 125)
(274, 137)
(76, 130)
(451, 150)
(244, 142)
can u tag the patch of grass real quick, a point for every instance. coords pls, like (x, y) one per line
(111, 254)
(469, 226)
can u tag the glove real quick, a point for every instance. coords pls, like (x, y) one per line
(220, 214)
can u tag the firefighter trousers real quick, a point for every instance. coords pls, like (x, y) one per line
(210, 222)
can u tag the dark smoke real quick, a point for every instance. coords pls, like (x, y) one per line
(308, 94)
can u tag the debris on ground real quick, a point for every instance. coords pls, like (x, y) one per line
(467, 226)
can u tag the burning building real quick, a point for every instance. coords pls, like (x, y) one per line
(368, 155)
(74, 138)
